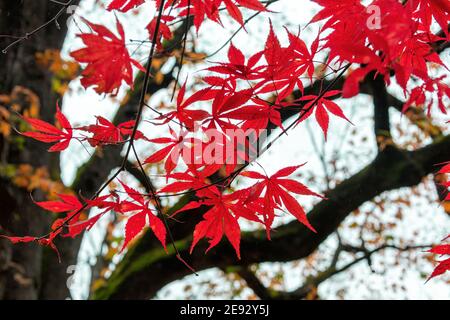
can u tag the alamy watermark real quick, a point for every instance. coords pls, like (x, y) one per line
(374, 20)
(216, 146)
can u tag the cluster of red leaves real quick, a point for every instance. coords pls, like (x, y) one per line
(68, 204)
(324, 106)
(200, 9)
(108, 60)
(48, 133)
(276, 70)
(444, 265)
(400, 42)
(102, 133)
(142, 216)
(72, 224)
(107, 57)
(124, 5)
(257, 203)
(434, 87)
(236, 92)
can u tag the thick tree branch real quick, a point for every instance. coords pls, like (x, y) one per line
(381, 111)
(255, 284)
(20, 68)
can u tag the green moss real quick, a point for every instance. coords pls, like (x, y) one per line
(8, 170)
(126, 268)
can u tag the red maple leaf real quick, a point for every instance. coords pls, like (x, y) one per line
(107, 58)
(210, 9)
(221, 219)
(142, 217)
(164, 29)
(185, 116)
(411, 57)
(237, 67)
(258, 116)
(285, 65)
(176, 148)
(438, 9)
(277, 194)
(105, 132)
(418, 95)
(102, 203)
(444, 265)
(73, 208)
(124, 5)
(67, 203)
(200, 9)
(48, 133)
(185, 181)
(42, 241)
(321, 107)
(303, 58)
(227, 107)
(16, 240)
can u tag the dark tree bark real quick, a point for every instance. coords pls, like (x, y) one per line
(25, 268)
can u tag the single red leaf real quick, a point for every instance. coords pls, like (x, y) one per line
(107, 58)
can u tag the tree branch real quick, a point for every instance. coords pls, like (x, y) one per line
(381, 111)
(313, 282)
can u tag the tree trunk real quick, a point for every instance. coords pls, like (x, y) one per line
(25, 269)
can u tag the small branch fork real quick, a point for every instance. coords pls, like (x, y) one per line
(312, 283)
(31, 33)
